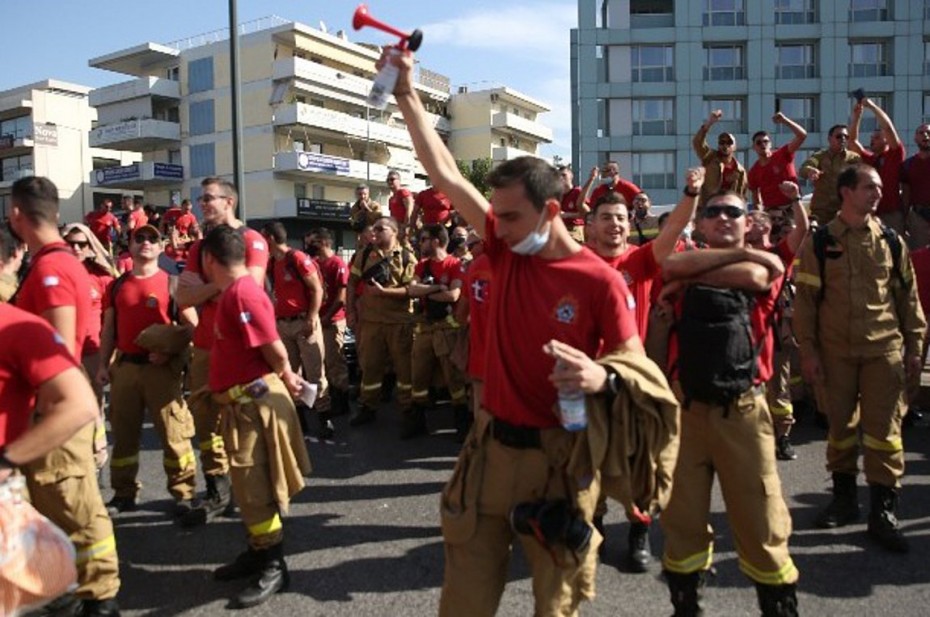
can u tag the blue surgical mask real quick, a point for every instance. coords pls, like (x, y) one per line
(535, 240)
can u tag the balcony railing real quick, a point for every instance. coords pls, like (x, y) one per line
(513, 122)
(137, 134)
(133, 89)
(318, 117)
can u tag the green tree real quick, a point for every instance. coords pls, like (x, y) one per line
(477, 172)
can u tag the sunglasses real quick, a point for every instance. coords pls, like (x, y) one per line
(841, 136)
(81, 244)
(731, 212)
(760, 142)
(140, 238)
(725, 142)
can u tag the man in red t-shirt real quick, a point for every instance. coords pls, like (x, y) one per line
(218, 201)
(886, 154)
(297, 289)
(772, 168)
(915, 190)
(137, 216)
(63, 484)
(143, 379)
(251, 380)
(434, 208)
(611, 182)
(36, 366)
(553, 306)
(437, 282)
(724, 431)
(400, 204)
(180, 227)
(103, 223)
(573, 204)
(335, 275)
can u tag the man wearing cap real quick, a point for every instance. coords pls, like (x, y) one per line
(722, 172)
(141, 378)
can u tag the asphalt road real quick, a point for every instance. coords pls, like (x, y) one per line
(363, 539)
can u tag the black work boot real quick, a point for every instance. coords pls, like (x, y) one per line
(339, 402)
(784, 451)
(883, 522)
(844, 508)
(101, 608)
(302, 412)
(272, 577)
(777, 600)
(245, 564)
(463, 418)
(638, 556)
(327, 428)
(413, 422)
(686, 591)
(216, 501)
(364, 415)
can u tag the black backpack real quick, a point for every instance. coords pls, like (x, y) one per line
(717, 358)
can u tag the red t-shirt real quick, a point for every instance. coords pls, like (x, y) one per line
(729, 176)
(435, 206)
(124, 262)
(578, 300)
(639, 268)
(256, 255)
(290, 292)
(920, 258)
(397, 205)
(767, 177)
(99, 280)
(55, 279)
(916, 174)
(569, 199)
(624, 187)
(180, 220)
(478, 295)
(888, 165)
(335, 277)
(100, 223)
(140, 302)
(244, 321)
(31, 353)
(444, 272)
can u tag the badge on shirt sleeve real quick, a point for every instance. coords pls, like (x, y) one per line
(258, 245)
(245, 317)
(50, 281)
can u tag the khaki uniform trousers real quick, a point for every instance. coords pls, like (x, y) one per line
(63, 486)
(307, 352)
(736, 443)
(489, 479)
(657, 335)
(251, 465)
(867, 396)
(778, 388)
(433, 343)
(382, 344)
(91, 362)
(206, 414)
(337, 370)
(133, 389)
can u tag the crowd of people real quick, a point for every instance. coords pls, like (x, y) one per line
(654, 355)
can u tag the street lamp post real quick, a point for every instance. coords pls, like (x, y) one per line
(235, 84)
(368, 145)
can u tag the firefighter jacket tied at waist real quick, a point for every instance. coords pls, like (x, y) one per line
(633, 442)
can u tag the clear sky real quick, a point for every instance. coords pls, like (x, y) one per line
(523, 44)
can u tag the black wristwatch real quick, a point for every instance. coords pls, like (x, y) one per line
(613, 381)
(6, 463)
(689, 193)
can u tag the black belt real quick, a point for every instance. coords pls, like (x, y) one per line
(134, 358)
(293, 317)
(519, 437)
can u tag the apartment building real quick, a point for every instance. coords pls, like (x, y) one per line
(646, 73)
(309, 139)
(44, 131)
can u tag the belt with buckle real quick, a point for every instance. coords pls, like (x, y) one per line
(134, 358)
(294, 317)
(519, 437)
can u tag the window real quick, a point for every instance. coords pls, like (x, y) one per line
(795, 11)
(317, 191)
(801, 109)
(202, 118)
(723, 63)
(795, 61)
(654, 170)
(300, 190)
(733, 119)
(869, 123)
(174, 157)
(200, 75)
(868, 10)
(652, 63)
(652, 13)
(724, 13)
(12, 167)
(98, 162)
(653, 116)
(203, 160)
(926, 60)
(17, 128)
(926, 115)
(173, 73)
(868, 59)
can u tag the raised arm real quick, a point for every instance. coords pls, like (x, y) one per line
(800, 134)
(679, 218)
(885, 123)
(853, 142)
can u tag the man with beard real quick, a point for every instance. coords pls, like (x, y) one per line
(218, 201)
(722, 172)
(886, 154)
(365, 211)
(611, 182)
(915, 189)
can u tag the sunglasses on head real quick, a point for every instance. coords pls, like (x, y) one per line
(731, 212)
(81, 244)
(140, 238)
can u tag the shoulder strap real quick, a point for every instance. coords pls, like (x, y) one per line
(894, 244)
(174, 311)
(820, 239)
(114, 292)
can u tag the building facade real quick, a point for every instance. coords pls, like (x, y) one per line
(497, 123)
(44, 131)
(646, 74)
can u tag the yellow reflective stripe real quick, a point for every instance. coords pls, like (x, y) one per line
(782, 410)
(373, 386)
(97, 550)
(421, 393)
(216, 441)
(889, 445)
(782, 576)
(796, 380)
(100, 431)
(403, 386)
(126, 461)
(698, 561)
(264, 528)
(811, 280)
(457, 394)
(183, 462)
(843, 444)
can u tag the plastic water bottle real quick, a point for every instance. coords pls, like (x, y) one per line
(383, 86)
(572, 412)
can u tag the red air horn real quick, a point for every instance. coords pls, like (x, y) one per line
(362, 18)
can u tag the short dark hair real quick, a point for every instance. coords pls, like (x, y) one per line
(228, 187)
(8, 244)
(436, 232)
(608, 199)
(322, 234)
(849, 177)
(834, 128)
(225, 244)
(37, 198)
(562, 168)
(393, 173)
(758, 134)
(390, 220)
(277, 231)
(540, 181)
(137, 201)
(720, 194)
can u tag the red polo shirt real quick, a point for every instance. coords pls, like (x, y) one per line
(435, 206)
(290, 291)
(139, 303)
(335, 275)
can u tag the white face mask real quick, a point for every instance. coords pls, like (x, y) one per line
(535, 240)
